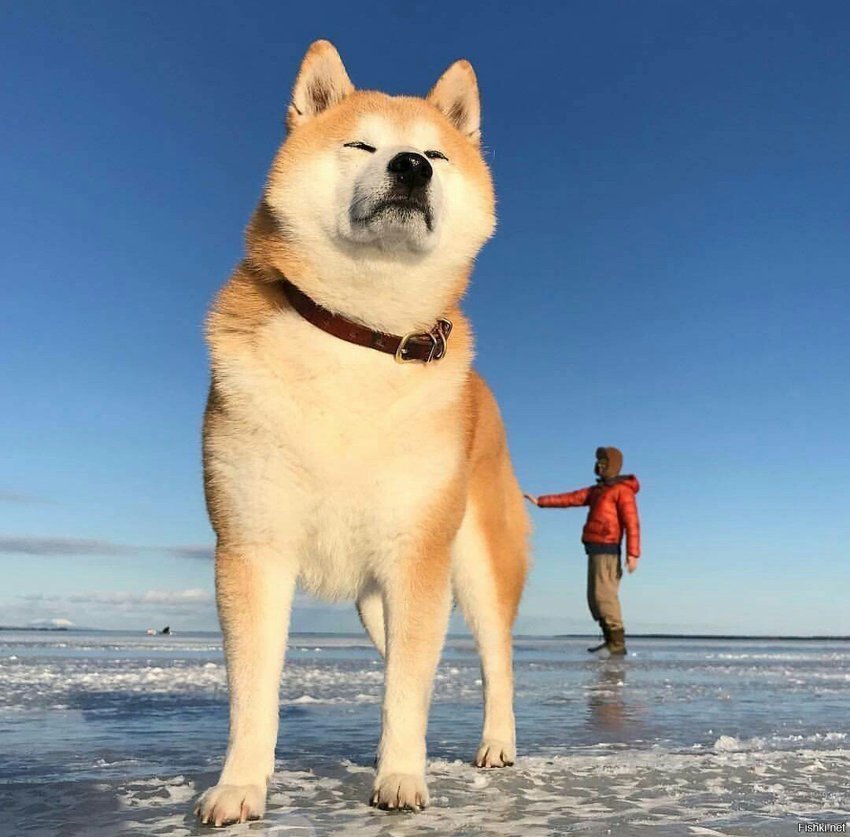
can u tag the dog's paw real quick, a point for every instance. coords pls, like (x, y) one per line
(493, 753)
(399, 791)
(225, 804)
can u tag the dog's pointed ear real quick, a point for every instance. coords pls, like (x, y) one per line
(456, 95)
(322, 82)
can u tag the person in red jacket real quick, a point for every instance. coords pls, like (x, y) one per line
(613, 510)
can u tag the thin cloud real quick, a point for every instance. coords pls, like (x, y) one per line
(51, 623)
(62, 546)
(192, 597)
(190, 608)
(17, 498)
(203, 552)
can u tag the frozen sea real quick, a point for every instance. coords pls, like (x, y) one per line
(113, 733)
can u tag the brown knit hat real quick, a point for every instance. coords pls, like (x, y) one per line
(615, 461)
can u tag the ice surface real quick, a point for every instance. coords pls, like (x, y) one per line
(107, 734)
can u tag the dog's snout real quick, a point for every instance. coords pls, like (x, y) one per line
(411, 169)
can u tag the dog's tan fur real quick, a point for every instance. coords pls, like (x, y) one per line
(331, 466)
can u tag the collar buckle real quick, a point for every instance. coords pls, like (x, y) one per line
(439, 336)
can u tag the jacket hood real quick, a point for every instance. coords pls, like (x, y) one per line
(630, 481)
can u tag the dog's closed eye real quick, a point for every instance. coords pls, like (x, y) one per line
(361, 145)
(436, 155)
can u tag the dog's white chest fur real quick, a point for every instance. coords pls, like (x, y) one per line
(342, 458)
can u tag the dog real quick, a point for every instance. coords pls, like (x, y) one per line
(349, 448)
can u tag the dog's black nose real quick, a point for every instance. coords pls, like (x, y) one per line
(411, 169)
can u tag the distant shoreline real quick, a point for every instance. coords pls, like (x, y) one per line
(749, 637)
(296, 634)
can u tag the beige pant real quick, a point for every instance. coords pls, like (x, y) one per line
(603, 581)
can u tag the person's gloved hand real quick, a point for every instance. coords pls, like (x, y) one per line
(632, 563)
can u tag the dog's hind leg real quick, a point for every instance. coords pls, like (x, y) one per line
(254, 590)
(488, 571)
(370, 608)
(489, 601)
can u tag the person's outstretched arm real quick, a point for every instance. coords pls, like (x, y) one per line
(561, 501)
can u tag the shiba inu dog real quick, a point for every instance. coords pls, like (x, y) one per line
(349, 448)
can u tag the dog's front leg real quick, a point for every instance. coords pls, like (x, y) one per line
(417, 596)
(254, 590)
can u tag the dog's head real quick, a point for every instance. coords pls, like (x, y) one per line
(371, 188)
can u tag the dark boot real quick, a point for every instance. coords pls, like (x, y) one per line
(617, 642)
(604, 644)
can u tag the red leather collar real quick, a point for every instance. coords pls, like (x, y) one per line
(424, 346)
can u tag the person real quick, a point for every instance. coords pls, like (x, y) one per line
(613, 510)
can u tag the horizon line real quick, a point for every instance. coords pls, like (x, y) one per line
(635, 635)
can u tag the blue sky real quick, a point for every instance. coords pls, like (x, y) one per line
(670, 275)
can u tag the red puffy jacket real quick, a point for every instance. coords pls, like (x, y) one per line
(612, 509)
